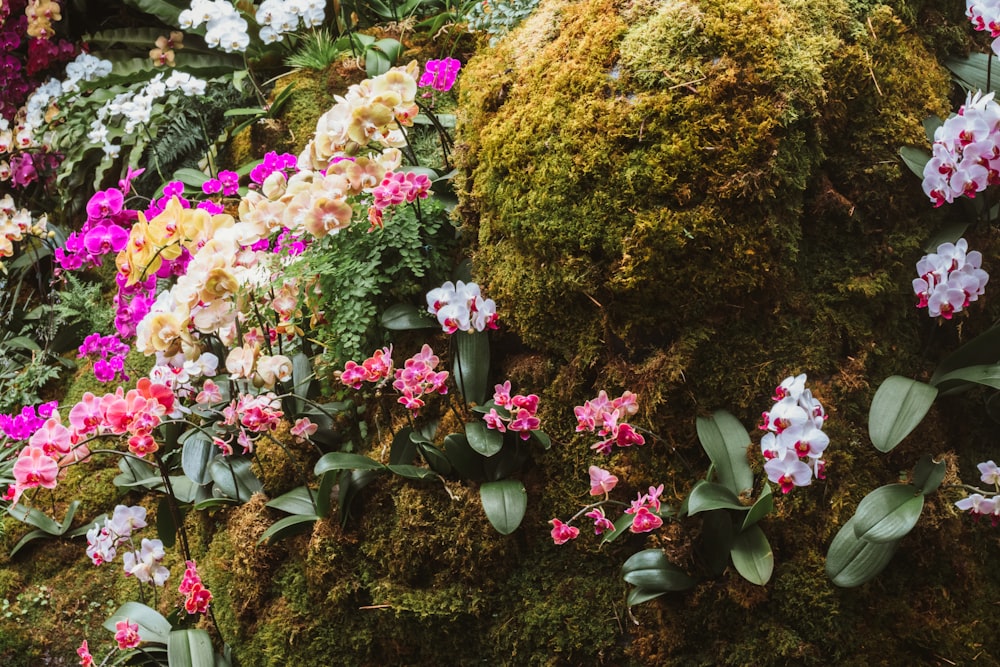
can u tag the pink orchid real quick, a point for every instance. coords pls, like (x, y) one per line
(644, 521)
(563, 533)
(127, 634)
(601, 523)
(601, 481)
(35, 468)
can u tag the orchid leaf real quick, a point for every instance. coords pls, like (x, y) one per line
(707, 496)
(485, 440)
(153, 627)
(505, 503)
(725, 441)
(191, 647)
(888, 513)
(472, 364)
(851, 561)
(752, 556)
(897, 408)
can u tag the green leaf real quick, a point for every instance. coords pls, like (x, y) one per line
(435, 458)
(351, 483)
(390, 47)
(725, 441)
(472, 364)
(760, 509)
(191, 177)
(166, 527)
(851, 562)
(505, 503)
(987, 374)
(466, 461)
(22, 343)
(403, 450)
(345, 461)
(297, 501)
(36, 518)
(212, 503)
(983, 349)
(485, 440)
(153, 627)
(706, 496)
(376, 62)
(640, 595)
(196, 456)
(412, 472)
(294, 524)
(135, 472)
(302, 377)
(888, 513)
(190, 648)
(234, 478)
(650, 569)
(405, 317)
(898, 406)
(28, 537)
(928, 474)
(752, 556)
(544, 440)
(950, 233)
(915, 159)
(162, 9)
(971, 70)
(324, 493)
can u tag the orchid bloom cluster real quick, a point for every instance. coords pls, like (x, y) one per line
(605, 415)
(224, 27)
(985, 17)
(644, 509)
(979, 505)
(794, 440)
(516, 413)
(196, 596)
(396, 188)
(374, 110)
(16, 225)
(950, 279)
(54, 445)
(418, 378)
(132, 109)
(24, 424)
(276, 18)
(105, 231)
(110, 353)
(375, 369)
(966, 151)
(163, 53)
(440, 74)
(460, 306)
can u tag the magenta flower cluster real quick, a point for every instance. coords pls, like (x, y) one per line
(606, 417)
(109, 354)
(395, 189)
(273, 162)
(24, 424)
(440, 74)
(417, 378)
(517, 413)
(105, 231)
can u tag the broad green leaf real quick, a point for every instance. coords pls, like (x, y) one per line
(186, 491)
(135, 472)
(950, 233)
(435, 458)
(302, 377)
(166, 527)
(485, 440)
(190, 648)
(472, 364)
(851, 562)
(888, 513)
(710, 496)
(725, 441)
(467, 462)
(752, 556)
(376, 62)
(544, 440)
(153, 627)
(351, 482)
(650, 569)
(234, 478)
(297, 501)
(192, 177)
(390, 47)
(196, 456)
(972, 70)
(403, 450)
(293, 524)
(987, 374)
(915, 159)
(760, 509)
(405, 316)
(412, 472)
(345, 461)
(28, 537)
(898, 406)
(22, 343)
(928, 474)
(324, 493)
(505, 503)
(164, 10)
(983, 349)
(36, 518)
(640, 595)
(212, 503)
